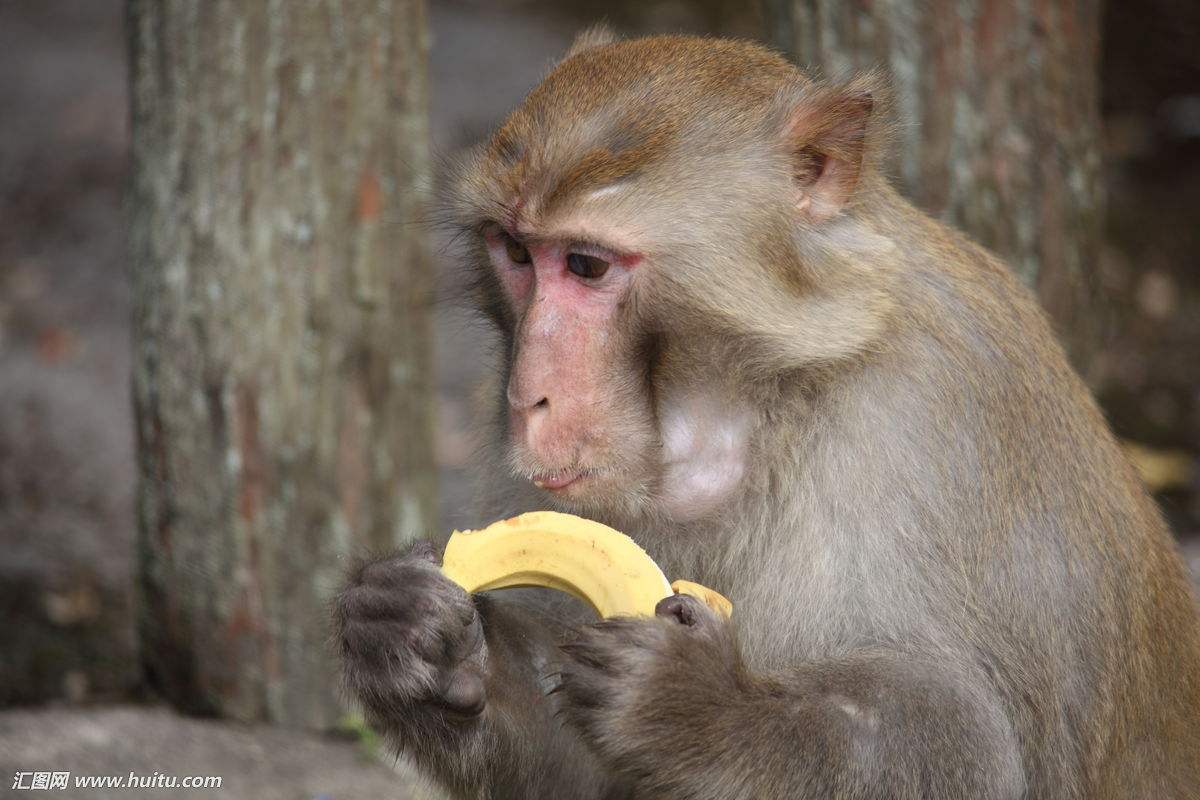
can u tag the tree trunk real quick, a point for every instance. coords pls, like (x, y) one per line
(998, 104)
(281, 332)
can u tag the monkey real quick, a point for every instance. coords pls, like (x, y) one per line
(724, 333)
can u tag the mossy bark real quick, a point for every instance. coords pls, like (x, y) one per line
(281, 333)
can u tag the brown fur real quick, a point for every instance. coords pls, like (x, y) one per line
(948, 581)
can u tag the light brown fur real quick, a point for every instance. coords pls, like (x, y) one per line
(948, 581)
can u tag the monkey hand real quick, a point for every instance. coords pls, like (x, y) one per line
(410, 638)
(632, 686)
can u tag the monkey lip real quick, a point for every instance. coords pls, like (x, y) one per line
(559, 480)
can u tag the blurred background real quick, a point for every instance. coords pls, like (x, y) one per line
(226, 323)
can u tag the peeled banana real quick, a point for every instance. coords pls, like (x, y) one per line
(599, 565)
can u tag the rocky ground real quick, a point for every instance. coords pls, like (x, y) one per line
(255, 762)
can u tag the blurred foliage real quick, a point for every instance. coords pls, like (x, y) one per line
(353, 726)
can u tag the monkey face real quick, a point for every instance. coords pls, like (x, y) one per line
(601, 410)
(578, 409)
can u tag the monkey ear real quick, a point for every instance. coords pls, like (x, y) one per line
(595, 36)
(827, 133)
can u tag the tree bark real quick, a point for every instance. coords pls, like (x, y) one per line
(281, 332)
(999, 118)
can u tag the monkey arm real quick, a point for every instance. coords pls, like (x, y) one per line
(515, 747)
(678, 711)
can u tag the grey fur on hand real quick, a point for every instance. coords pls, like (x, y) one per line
(409, 636)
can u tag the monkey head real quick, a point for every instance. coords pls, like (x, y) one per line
(643, 203)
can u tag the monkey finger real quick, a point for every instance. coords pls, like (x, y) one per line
(368, 603)
(463, 693)
(424, 550)
(463, 644)
(587, 653)
(579, 688)
(396, 572)
(684, 609)
(626, 631)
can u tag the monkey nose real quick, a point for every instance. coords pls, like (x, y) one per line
(526, 403)
(527, 416)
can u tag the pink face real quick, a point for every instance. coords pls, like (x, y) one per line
(569, 406)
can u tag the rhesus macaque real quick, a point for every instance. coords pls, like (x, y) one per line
(726, 335)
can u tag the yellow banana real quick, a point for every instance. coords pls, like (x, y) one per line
(599, 565)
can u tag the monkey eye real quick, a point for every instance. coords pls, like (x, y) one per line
(586, 266)
(517, 252)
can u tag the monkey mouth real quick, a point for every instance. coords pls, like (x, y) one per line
(558, 480)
